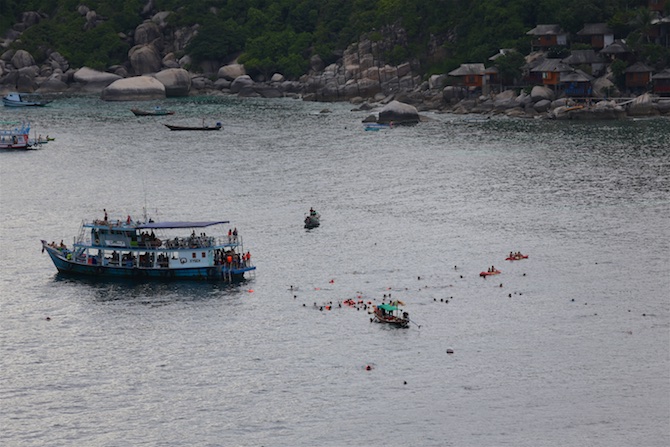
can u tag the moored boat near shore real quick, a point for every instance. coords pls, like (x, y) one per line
(156, 111)
(218, 126)
(23, 100)
(144, 250)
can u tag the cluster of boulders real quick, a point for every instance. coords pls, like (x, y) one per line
(361, 76)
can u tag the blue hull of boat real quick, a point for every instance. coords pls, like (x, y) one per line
(206, 273)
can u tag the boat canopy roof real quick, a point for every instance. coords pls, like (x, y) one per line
(166, 225)
(387, 307)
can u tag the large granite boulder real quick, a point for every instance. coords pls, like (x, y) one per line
(231, 72)
(144, 59)
(146, 33)
(398, 112)
(22, 59)
(88, 76)
(140, 88)
(539, 93)
(177, 81)
(52, 85)
(241, 82)
(642, 106)
(26, 81)
(542, 105)
(57, 61)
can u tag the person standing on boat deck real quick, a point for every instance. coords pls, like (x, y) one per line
(235, 234)
(230, 235)
(105, 214)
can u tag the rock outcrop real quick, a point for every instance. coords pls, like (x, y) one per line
(398, 113)
(94, 79)
(139, 88)
(177, 81)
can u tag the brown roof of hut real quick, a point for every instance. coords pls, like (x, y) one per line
(638, 67)
(545, 30)
(576, 76)
(591, 29)
(553, 65)
(665, 74)
(579, 57)
(468, 69)
(617, 47)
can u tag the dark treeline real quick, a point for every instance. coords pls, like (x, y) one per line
(281, 35)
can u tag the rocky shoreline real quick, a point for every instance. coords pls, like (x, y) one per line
(360, 77)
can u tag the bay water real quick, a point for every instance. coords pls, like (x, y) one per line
(570, 347)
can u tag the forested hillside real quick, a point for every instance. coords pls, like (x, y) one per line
(281, 35)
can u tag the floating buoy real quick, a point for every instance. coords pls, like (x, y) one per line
(250, 290)
(404, 382)
(48, 318)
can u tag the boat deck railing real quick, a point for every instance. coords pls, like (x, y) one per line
(176, 243)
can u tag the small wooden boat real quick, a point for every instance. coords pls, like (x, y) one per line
(391, 314)
(218, 126)
(157, 111)
(23, 100)
(313, 220)
(374, 127)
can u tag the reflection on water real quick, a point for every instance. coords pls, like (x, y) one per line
(150, 292)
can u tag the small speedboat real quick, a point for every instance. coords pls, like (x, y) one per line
(376, 126)
(157, 111)
(218, 126)
(23, 100)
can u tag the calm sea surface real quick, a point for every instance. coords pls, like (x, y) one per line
(570, 347)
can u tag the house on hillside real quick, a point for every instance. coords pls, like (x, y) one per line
(657, 5)
(576, 83)
(469, 75)
(550, 72)
(638, 77)
(598, 35)
(617, 50)
(661, 83)
(476, 76)
(586, 58)
(660, 30)
(547, 36)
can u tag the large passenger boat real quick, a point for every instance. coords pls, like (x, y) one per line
(167, 250)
